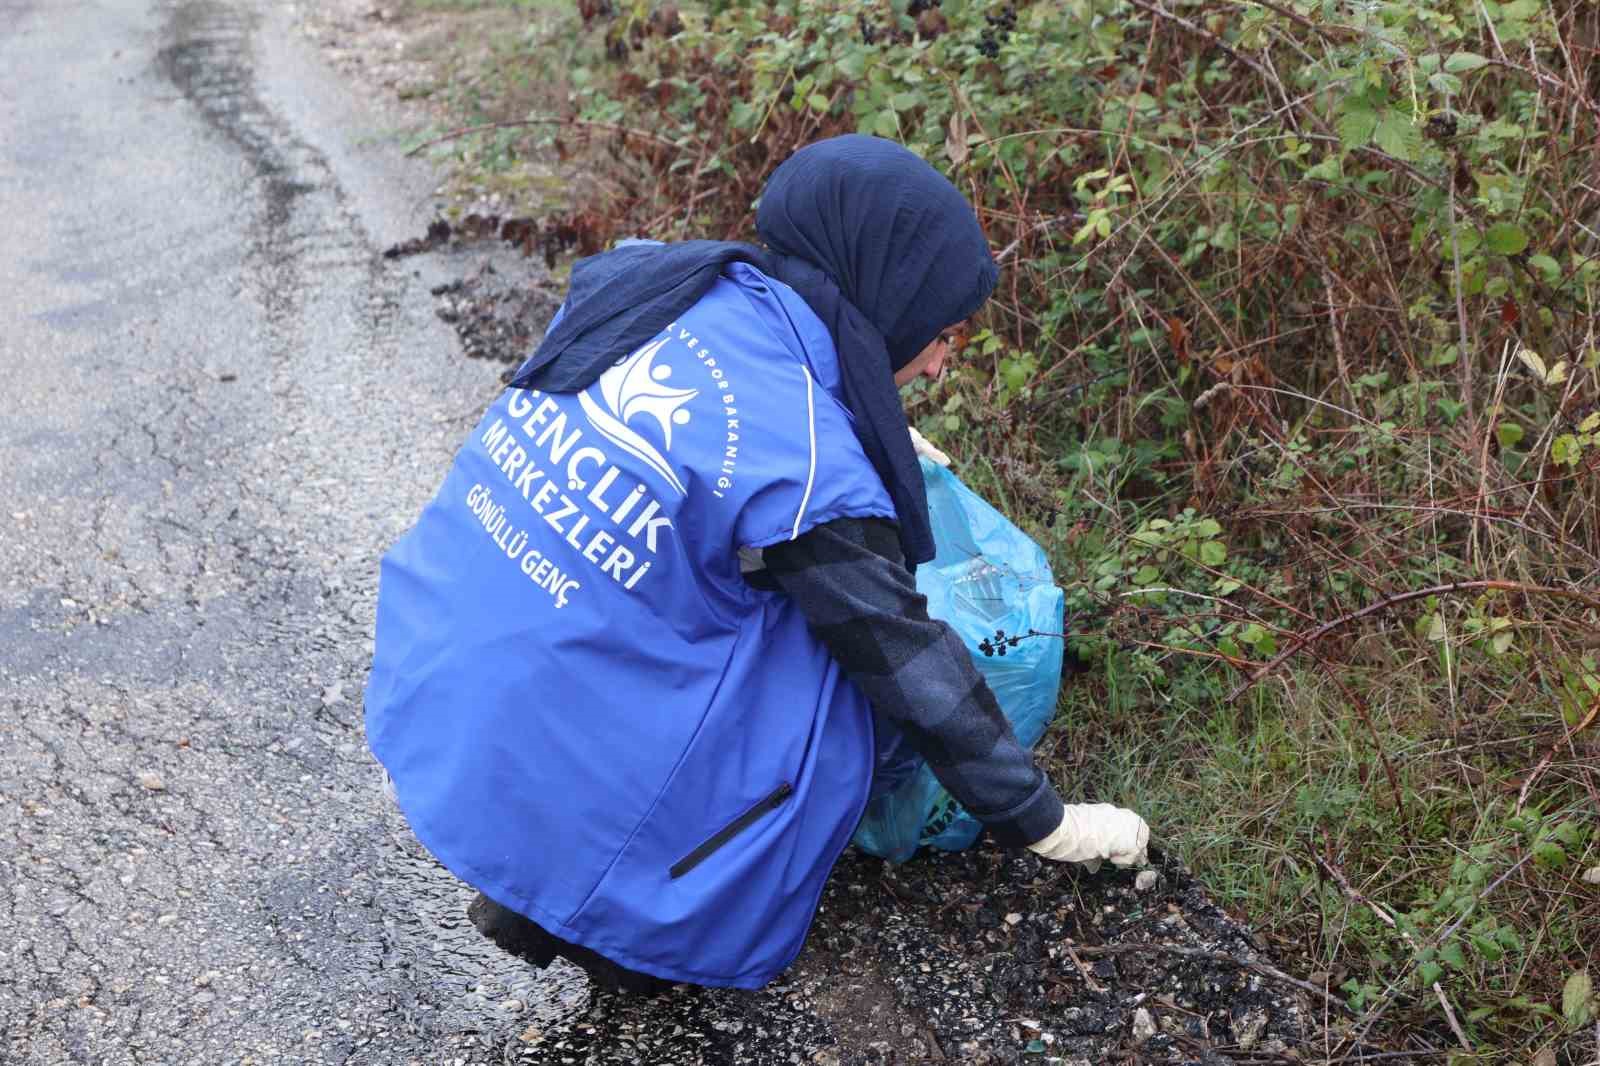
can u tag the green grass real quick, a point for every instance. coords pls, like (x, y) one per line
(499, 61)
(1250, 796)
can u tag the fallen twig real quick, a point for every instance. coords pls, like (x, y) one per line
(1379, 1056)
(1378, 1009)
(1341, 362)
(1355, 896)
(489, 127)
(1527, 786)
(1083, 971)
(1392, 601)
(1262, 968)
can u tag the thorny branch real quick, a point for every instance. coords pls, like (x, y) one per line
(1399, 598)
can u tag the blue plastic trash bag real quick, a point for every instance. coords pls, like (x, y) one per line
(988, 576)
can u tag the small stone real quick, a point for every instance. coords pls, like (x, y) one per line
(1248, 1027)
(1144, 1026)
(166, 919)
(1146, 880)
(205, 979)
(1013, 918)
(152, 781)
(1592, 875)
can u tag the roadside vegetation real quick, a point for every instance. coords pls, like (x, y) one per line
(1294, 372)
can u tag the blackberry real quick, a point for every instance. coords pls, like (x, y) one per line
(917, 7)
(999, 29)
(869, 32)
(1006, 21)
(997, 644)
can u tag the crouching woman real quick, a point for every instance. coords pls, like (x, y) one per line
(638, 661)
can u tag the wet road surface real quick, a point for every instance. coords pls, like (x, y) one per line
(220, 405)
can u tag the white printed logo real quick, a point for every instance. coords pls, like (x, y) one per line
(632, 386)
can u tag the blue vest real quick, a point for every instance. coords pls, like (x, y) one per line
(587, 712)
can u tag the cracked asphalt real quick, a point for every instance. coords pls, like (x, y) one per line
(220, 405)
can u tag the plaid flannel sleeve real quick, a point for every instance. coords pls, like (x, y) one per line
(848, 578)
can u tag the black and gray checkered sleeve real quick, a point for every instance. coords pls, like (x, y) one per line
(848, 578)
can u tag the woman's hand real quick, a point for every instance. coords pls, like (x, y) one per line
(1090, 832)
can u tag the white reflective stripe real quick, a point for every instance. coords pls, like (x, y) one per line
(811, 475)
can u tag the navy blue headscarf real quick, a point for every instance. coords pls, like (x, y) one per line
(880, 245)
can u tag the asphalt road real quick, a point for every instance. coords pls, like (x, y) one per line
(219, 404)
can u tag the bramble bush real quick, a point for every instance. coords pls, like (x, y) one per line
(1293, 362)
(1288, 265)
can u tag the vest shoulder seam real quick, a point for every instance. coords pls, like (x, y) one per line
(785, 534)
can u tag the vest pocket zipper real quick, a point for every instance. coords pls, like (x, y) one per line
(714, 843)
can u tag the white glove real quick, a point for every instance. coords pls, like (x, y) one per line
(923, 448)
(1090, 832)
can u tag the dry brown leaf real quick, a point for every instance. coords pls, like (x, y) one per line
(955, 142)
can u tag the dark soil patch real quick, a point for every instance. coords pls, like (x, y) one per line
(499, 313)
(496, 317)
(970, 958)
